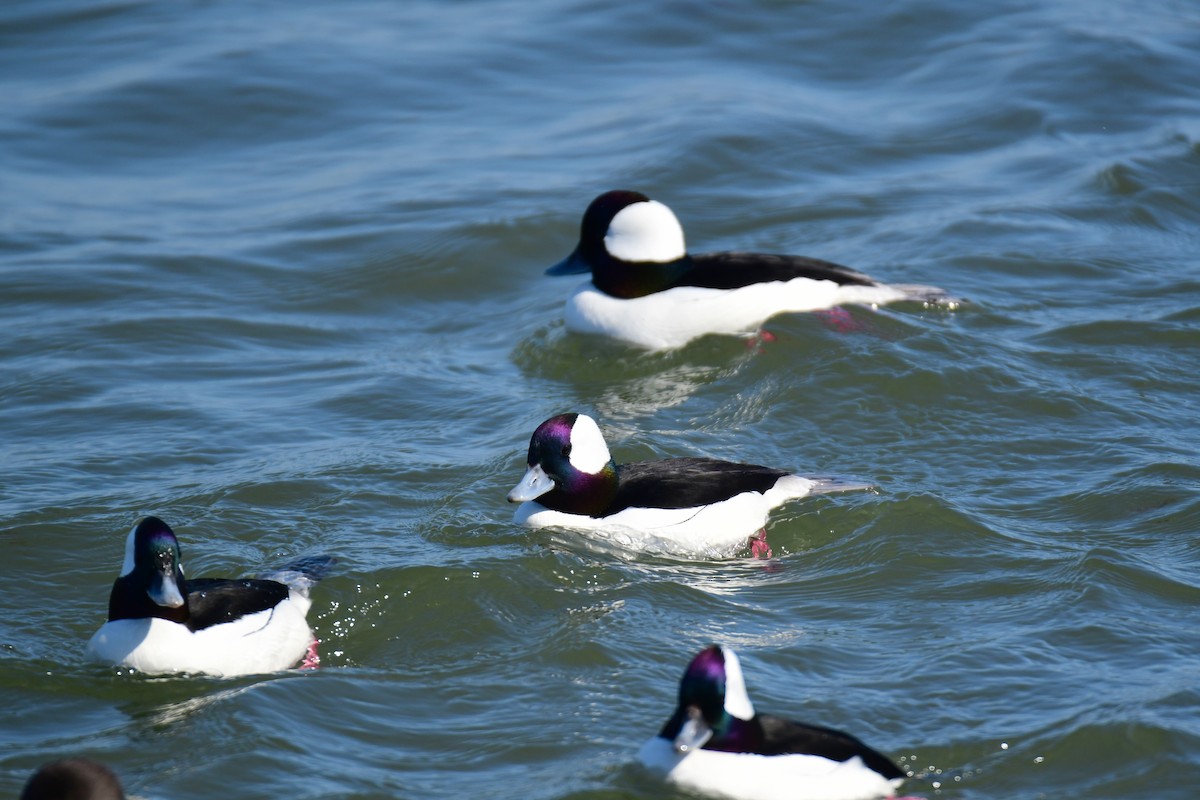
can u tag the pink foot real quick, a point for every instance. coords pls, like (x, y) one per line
(757, 341)
(839, 319)
(312, 659)
(758, 545)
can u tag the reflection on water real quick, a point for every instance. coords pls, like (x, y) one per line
(177, 711)
(621, 383)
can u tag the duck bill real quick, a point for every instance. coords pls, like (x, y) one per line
(571, 265)
(164, 590)
(535, 484)
(693, 735)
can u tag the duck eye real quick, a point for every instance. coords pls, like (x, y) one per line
(566, 450)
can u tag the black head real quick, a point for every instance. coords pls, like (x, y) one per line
(632, 245)
(703, 685)
(73, 779)
(599, 215)
(151, 582)
(713, 710)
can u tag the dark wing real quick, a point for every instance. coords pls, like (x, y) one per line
(212, 601)
(735, 270)
(781, 736)
(688, 482)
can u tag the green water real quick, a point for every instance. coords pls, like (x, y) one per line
(274, 273)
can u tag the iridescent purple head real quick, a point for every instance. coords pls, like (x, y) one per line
(552, 439)
(569, 467)
(152, 559)
(713, 684)
(713, 712)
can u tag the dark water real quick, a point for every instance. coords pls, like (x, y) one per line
(272, 271)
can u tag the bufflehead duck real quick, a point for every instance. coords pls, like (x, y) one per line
(715, 743)
(692, 506)
(73, 779)
(159, 622)
(648, 291)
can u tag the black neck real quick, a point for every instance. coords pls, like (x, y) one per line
(129, 600)
(629, 280)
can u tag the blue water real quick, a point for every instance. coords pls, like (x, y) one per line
(273, 272)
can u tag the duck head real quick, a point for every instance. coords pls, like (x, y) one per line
(152, 562)
(712, 696)
(569, 467)
(632, 245)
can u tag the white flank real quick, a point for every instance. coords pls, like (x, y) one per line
(268, 641)
(716, 530)
(645, 231)
(747, 776)
(589, 453)
(670, 319)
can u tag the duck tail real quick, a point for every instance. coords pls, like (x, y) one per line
(929, 295)
(831, 485)
(302, 573)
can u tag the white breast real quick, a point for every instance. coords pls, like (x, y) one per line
(754, 777)
(264, 642)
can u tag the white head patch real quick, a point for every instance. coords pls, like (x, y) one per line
(645, 232)
(737, 702)
(127, 565)
(589, 453)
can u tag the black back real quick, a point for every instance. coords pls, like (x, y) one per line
(213, 601)
(782, 736)
(210, 601)
(687, 482)
(735, 270)
(769, 735)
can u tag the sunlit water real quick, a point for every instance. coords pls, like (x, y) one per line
(274, 273)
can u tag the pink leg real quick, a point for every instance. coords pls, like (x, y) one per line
(839, 319)
(312, 659)
(758, 545)
(756, 341)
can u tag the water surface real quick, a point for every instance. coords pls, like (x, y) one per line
(273, 272)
